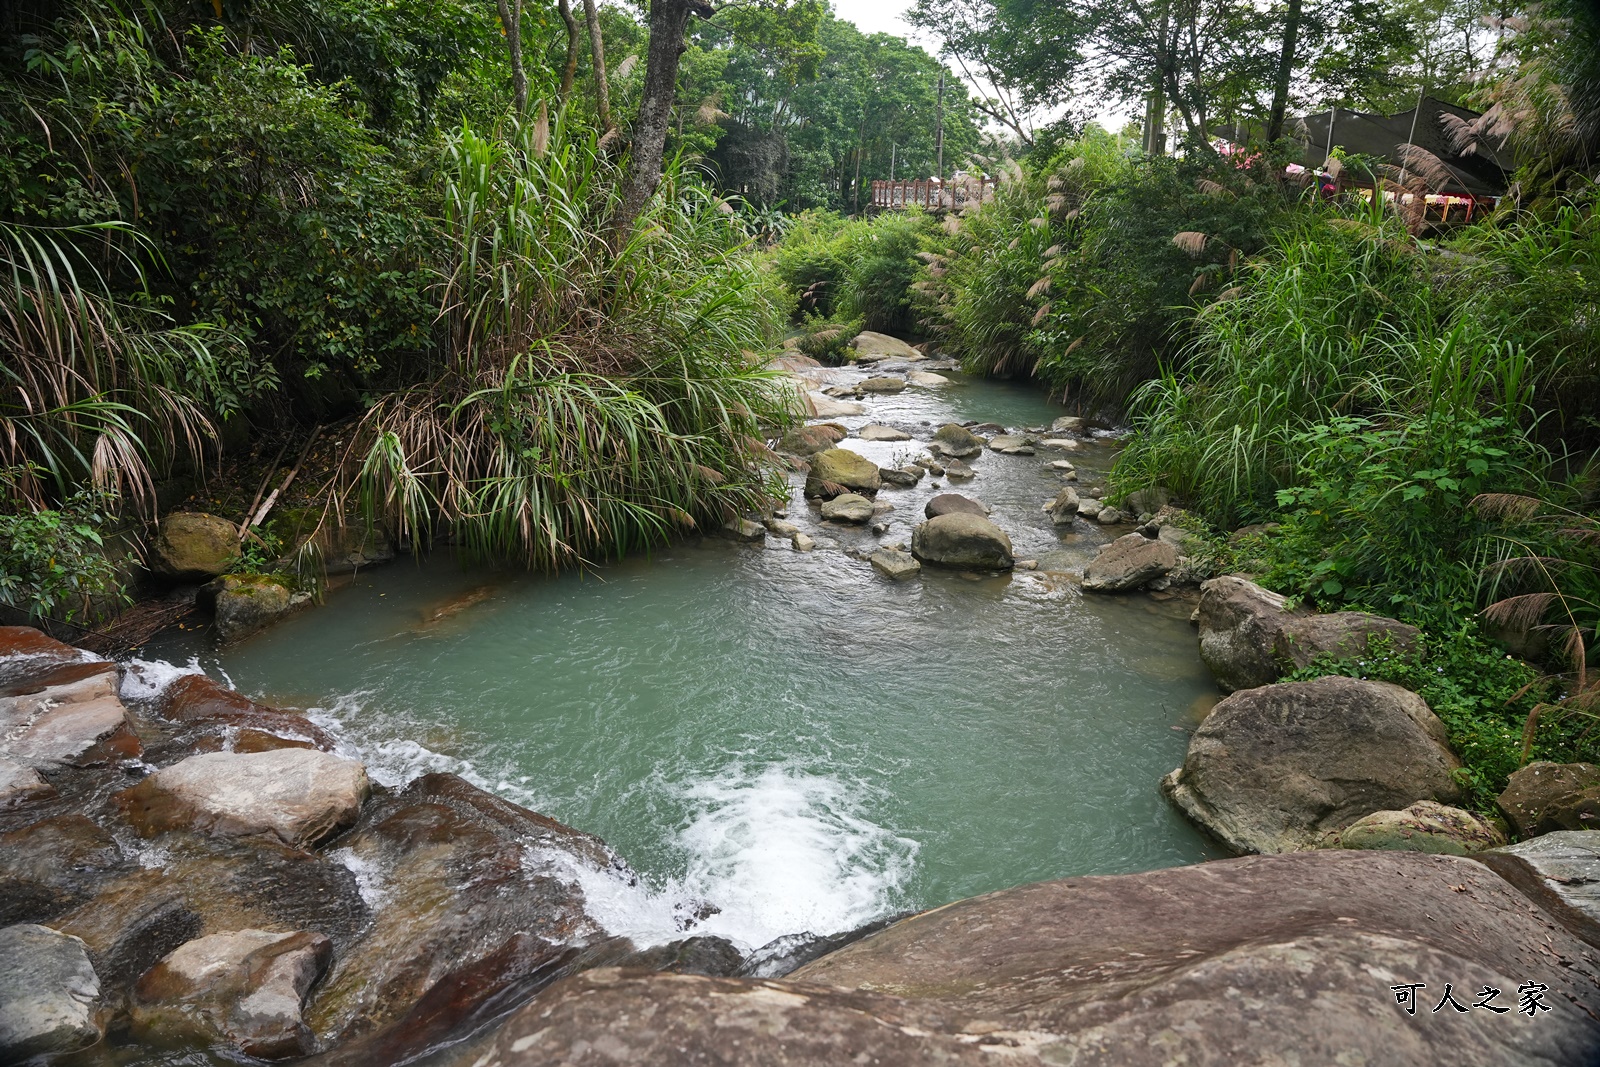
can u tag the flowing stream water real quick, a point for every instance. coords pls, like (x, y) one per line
(784, 735)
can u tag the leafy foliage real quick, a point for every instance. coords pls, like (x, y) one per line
(52, 562)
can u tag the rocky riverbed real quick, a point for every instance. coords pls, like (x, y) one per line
(188, 872)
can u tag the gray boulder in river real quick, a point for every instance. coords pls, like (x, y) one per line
(954, 504)
(1266, 961)
(953, 439)
(1249, 638)
(1128, 563)
(970, 542)
(1277, 769)
(49, 993)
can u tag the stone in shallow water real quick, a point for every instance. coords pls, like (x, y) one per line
(895, 565)
(902, 477)
(839, 470)
(809, 440)
(19, 785)
(246, 987)
(963, 541)
(54, 864)
(84, 734)
(952, 504)
(1064, 508)
(871, 347)
(874, 432)
(804, 542)
(1129, 562)
(883, 385)
(926, 379)
(959, 471)
(848, 507)
(955, 440)
(299, 796)
(49, 993)
(826, 407)
(742, 530)
(1011, 445)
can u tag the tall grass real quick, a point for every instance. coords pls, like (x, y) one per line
(1340, 318)
(593, 398)
(93, 389)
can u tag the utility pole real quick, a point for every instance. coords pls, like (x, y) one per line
(892, 149)
(938, 138)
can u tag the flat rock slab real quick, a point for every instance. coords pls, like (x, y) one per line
(1276, 769)
(21, 784)
(300, 796)
(953, 439)
(96, 731)
(870, 346)
(826, 407)
(245, 987)
(895, 565)
(1274, 960)
(926, 379)
(49, 993)
(883, 385)
(1561, 871)
(849, 508)
(875, 432)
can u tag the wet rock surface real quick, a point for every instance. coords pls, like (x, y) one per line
(300, 796)
(247, 605)
(1266, 960)
(1277, 768)
(894, 564)
(848, 508)
(954, 504)
(956, 441)
(1248, 638)
(1425, 826)
(1561, 871)
(49, 993)
(243, 987)
(839, 470)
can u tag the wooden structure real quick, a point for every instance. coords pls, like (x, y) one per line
(930, 194)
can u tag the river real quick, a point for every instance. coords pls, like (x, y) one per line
(784, 736)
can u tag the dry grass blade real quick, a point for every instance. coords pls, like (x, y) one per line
(1513, 507)
(1191, 242)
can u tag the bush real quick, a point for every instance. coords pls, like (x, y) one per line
(52, 561)
(860, 269)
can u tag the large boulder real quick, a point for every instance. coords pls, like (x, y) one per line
(954, 504)
(49, 994)
(1129, 562)
(1249, 638)
(839, 470)
(1267, 960)
(953, 439)
(298, 795)
(809, 440)
(209, 717)
(1543, 797)
(1559, 870)
(1064, 508)
(243, 987)
(848, 508)
(1276, 769)
(247, 604)
(1425, 826)
(970, 542)
(822, 406)
(870, 347)
(194, 546)
(883, 385)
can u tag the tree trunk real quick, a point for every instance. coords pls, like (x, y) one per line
(570, 70)
(511, 21)
(1280, 89)
(597, 49)
(668, 20)
(1156, 134)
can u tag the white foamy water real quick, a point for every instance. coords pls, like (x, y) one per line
(779, 851)
(145, 679)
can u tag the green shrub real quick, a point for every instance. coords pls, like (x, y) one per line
(860, 269)
(52, 562)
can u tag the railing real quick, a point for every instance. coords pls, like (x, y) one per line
(931, 194)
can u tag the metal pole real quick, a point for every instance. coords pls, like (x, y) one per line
(939, 135)
(892, 149)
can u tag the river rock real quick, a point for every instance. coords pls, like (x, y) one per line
(848, 507)
(742, 530)
(803, 542)
(956, 441)
(1129, 562)
(1108, 516)
(1060, 444)
(882, 385)
(809, 440)
(903, 477)
(870, 347)
(1090, 507)
(1267, 960)
(1011, 445)
(1558, 870)
(1062, 465)
(248, 604)
(894, 564)
(456, 876)
(245, 987)
(194, 546)
(53, 865)
(926, 379)
(964, 541)
(1064, 508)
(20, 784)
(1276, 769)
(1425, 826)
(300, 796)
(1249, 639)
(82, 734)
(953, 504)
(1067, 424)
(874, 432)
(839, 470)
(821, 406)
(1544, 797)
(49, 994)
(780, 528)
(210, 718)
(959, 471)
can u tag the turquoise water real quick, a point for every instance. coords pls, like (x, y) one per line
(781, 734)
